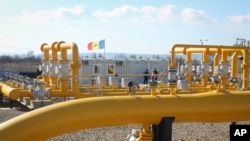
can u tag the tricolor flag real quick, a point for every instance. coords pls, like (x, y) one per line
(96, 45)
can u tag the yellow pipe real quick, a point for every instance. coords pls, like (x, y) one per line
(75, 65)
(234, 65)
(59, 93)
(245, 66)
(54, 60)
(188, 57)
(124, 110)
(146, 134)
(228, 52)
(205, 52)
(14, 93)
(200, 50)
(205, 55)
(224, 56)
(45, 48)
(54, 51)
(63, 47)
(216, 61)
(183, 46)
(243, 50)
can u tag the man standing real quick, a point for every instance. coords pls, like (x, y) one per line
(156, 74)
(146, 75)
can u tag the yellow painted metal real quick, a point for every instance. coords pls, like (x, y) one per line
(234, 64)
(14, 93)
(75, 65)
(245, 67)
(146, 134)
(179, 47)
(216, 61)
(124, 110)
(224, 50)
(45, 48)
(54, 60)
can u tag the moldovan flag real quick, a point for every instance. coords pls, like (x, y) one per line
(96, 45)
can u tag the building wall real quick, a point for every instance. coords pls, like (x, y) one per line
(122, 67)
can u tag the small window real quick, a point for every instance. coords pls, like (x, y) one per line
(97, 68)
(111, 68)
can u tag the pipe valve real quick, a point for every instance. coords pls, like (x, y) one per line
(63, 69)
(39, 92)
(45, 68)
(205, 69)
(224, 69)
(53, 68)
(188, 68)
(172, 76)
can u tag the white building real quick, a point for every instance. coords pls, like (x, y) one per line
(127, 68)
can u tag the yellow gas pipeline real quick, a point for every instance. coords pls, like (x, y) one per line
(74, 64)
(206, 49)
(14, 93)
(96, 112)
(45, 48)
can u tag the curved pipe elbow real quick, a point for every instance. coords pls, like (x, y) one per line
(54, 51)
(45, 49)
(63, 47)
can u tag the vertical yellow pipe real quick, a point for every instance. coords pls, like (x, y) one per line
(205, 61)
(55, 50)
(75, 65)
(224, 79)
(45, 48)
(205, 55)
(224, 56)
(234, 62)
(146, 134)
(188, 56)
(216, 61)
(152, 88)
(244, 51)
(245, 67)
(188, 60)
(64, 87)
(54, 60)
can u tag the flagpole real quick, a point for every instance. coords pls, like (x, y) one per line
(104, 54)
(105, 63)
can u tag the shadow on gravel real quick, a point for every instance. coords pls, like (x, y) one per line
(18, 106)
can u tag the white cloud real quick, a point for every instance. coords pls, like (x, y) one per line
(145, 13)
(166, 13)
(116, 12)
(148, 12)
(50, 15)
(154, 14)
(240, 18)
(189, 15)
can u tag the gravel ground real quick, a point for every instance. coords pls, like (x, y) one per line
(181, 131)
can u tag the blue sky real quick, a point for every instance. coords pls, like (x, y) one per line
(128, 26)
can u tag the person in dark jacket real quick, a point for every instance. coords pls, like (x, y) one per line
(146, 75)
(156, 74)
(130, 85)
